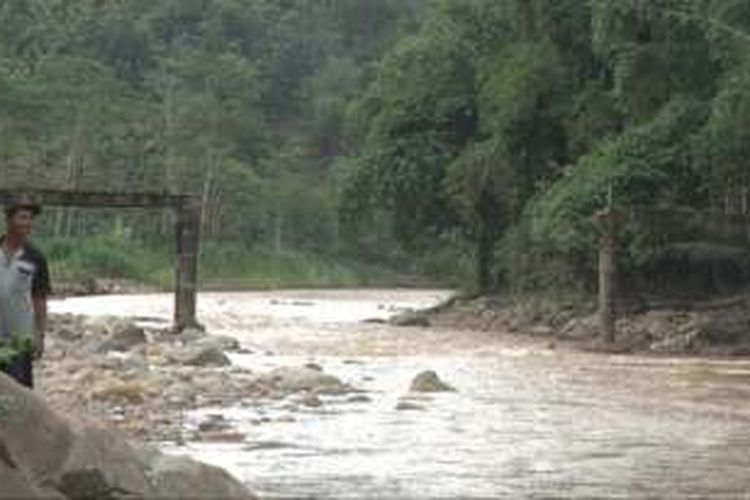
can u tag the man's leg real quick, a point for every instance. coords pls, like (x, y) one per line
(21, 368)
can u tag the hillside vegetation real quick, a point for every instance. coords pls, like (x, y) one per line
(469, 140)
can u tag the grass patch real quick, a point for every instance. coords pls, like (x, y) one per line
(232, 266)
(84, 259)
(223, 265)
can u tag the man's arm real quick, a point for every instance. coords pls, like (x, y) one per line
(40, 325)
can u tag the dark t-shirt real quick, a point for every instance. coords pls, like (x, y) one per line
(23, 277)
(41, 285)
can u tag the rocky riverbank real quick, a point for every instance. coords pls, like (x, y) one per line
(144, 380)
(716, 328)
(44, 454)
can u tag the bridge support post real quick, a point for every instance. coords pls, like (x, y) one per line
(607, 222)
(188, 252)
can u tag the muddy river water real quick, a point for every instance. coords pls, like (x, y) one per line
(526, 421)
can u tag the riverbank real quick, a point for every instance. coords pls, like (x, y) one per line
(528, 418)
(718, 328)
(138, 376)
(46, 454)
(144, 380)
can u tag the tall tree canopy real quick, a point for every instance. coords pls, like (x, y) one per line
(240, 101)
(510, 121)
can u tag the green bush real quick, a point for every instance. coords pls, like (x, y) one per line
(232, 265)
(107, 256)
(449, 265)
(16, 346)
(556, 241)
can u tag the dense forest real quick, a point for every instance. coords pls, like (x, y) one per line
(457, 138)
(242, 102)
(501, 127)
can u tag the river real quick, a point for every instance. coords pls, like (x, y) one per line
(526, 421)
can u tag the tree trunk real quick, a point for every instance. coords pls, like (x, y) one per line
(485, 250)
(608, 274)
(487, 237)
(170, 181)
(72, 161)
(279, 232)
(208, 180)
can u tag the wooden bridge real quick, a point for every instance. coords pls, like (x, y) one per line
(187, 234)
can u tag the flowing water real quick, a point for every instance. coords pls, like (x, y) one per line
(526, 421)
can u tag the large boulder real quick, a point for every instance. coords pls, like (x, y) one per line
(36, 439)
(125, 338)
(57, 458)
(221, 342)
(206, 356)
(189, 335)
(89, 484)
(15, 484)
(429, 382)
(184, 478)
(101, 456)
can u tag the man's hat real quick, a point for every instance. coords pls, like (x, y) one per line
(21, 202)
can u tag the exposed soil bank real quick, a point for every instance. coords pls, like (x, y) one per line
(717, 328)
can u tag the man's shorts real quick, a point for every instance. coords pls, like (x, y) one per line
(21, 368)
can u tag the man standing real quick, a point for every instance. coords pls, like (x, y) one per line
(24, 287)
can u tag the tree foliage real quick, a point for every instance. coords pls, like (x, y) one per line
(549, 107)
(384, 126)
(242, 102)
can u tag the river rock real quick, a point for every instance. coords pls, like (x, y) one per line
(87, 484)
(375, 321)
(429, 382)
(191, 335)
(580, 328)
(222, 342)
(289, 379)
(359, 398)
(16, 485)
(68, 334)
(202, 356)
(181, 477)
(124, 339)
(86, 461)
(15, 482)
(541, 330)
(214, 423)
(356, 362)
(409, 406)
(311, 400)
(225, 436)
(410, 318)
(118, 391)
